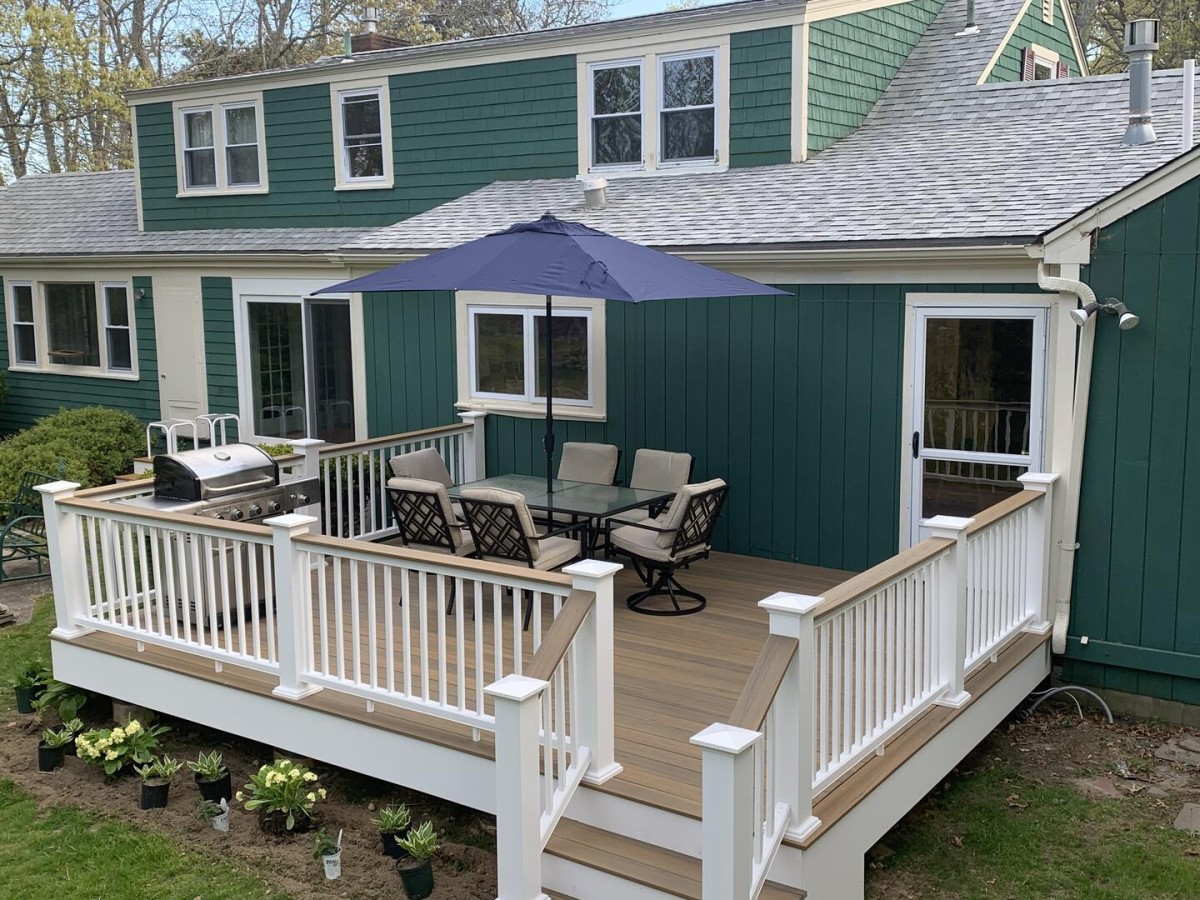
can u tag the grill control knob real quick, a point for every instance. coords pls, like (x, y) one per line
(256, 510)
(302, 499)
(274, 506)
(237, 515)
(218, 516)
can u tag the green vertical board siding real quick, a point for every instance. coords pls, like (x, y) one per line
(220, 350)
(32, 395)
(851, 61)
(796, 402)
(453, 131)
(760, 97)
(1139, 520)
(1034, 30)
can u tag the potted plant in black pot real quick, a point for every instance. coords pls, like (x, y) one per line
(212, 777)
(393, 823)
(416, 870)
(156, 781)
(75, 726)
(52, 749)
(28, 684)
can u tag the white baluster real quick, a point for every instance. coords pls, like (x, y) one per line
(950, 609)
(1037, 592)
(727, 797)
(292, 611)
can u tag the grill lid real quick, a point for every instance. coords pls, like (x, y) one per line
(210, 473)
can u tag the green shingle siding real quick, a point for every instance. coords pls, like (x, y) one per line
(220, 350)
(32, 395)
(852, 59)
(1139, 523)
(452, 131)
(760, 97)
(795, 402)
(1034, 30)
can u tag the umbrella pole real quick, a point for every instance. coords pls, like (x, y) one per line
(548, 440)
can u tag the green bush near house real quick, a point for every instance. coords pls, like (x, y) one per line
(91, 445)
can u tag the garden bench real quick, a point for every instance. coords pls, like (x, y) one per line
(23, 533)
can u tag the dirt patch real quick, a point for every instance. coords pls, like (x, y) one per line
(464, 868)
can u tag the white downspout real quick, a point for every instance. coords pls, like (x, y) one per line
(1073, 477)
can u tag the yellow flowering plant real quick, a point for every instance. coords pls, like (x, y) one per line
(112, 749)
(283, 787)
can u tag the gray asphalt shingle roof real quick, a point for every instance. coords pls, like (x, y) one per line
(939, 160)
(95, 213)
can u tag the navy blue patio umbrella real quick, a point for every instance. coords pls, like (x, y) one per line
(551, 256)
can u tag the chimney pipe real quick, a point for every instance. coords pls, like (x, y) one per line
(371, 19)
(1141, 40)
(1189, 104)
(971, 27)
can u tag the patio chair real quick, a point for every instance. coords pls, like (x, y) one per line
(426, 465)
(23, 533)
(425, 519)
(670, 542)
(593, 463)
(659, 470)
(502, 528)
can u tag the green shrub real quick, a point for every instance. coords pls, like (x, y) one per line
(91, 445)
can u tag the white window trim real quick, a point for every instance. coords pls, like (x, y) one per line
(591, 112)
(468, 303)
(529, 316)
(1046, 59)
(660, 109)
(342, 182)
(650, 56)
(13, 363)
(107, 326)
(218, 107)
(41, 330)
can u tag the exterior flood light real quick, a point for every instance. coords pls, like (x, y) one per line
(1112, 306)
(1081, 314)
(1125, 319)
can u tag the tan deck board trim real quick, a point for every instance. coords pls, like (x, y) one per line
(877, 576)
(258, 533)
(847, 794)
(1005, 507)
(387, 440)
(557, 640)
(752, 706)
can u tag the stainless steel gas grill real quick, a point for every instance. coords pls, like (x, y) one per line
(235, 482)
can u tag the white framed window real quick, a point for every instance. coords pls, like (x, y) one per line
(616, 107)
(73, 328)
(24, 335)
(664, 109)
(362, 136)
(687, 108)
(221, 147)
(1042, 64)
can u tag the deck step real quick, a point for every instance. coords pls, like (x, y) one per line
(663, 870)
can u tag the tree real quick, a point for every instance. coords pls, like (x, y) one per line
(1101, 23)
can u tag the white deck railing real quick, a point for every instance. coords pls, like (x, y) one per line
(843, 673)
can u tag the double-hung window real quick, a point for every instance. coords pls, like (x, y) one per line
(661, 110)
(20, 312)
(222, 148)
(362, 136)
(508, 354)
(116, 327)
(83, 328)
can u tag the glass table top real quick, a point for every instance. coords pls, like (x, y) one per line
(572, 497)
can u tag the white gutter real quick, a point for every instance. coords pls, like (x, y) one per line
(1074, 476)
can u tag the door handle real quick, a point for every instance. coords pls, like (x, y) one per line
(916, 444)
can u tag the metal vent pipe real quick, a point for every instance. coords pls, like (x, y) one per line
(1141, 40)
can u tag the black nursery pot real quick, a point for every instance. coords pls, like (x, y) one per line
(391, 846)
(417, 877)
(50, 758)
(154, 796)
(25, 697)
(216, 790)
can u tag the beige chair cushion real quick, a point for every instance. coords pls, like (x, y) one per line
(643, 543)
(422, 486)
(593, 463)
(514, 498)
(426, 464)
(556, 551)
(661, 470)
(673, 517)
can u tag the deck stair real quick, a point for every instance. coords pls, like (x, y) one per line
(663, 873)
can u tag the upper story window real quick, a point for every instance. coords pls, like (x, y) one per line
(76, 328)
(221, 147)
(1042, 64)
(655, 111)
(362, 136)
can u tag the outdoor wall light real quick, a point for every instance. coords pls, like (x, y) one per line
(1112, 306)
(1081, 314)
(140, 294)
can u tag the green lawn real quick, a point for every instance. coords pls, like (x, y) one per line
(21, 645)
(996, 833)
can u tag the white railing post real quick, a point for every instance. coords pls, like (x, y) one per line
(792, 734)
(68, 575)
(518, 808)
(474, 459)
(292, 614)
(311, 448)
(594, 661)
(727, 809)
(951, 609)
(1037, 588)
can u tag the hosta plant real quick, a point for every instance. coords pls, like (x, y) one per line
(286, 788)
(208, 766)
(160, 769)
(393, 819)
(421, 842)
(112, 749)
(57, 737)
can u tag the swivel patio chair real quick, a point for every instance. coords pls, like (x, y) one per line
(659, 470)
(593, 463)
(502, 528)
(425, 519)
(670, 542)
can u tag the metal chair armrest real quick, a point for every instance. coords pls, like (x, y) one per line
(562, 529)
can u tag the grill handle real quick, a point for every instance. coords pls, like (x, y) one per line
(212, 493)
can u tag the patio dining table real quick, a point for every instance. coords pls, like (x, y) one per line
(585, 502)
